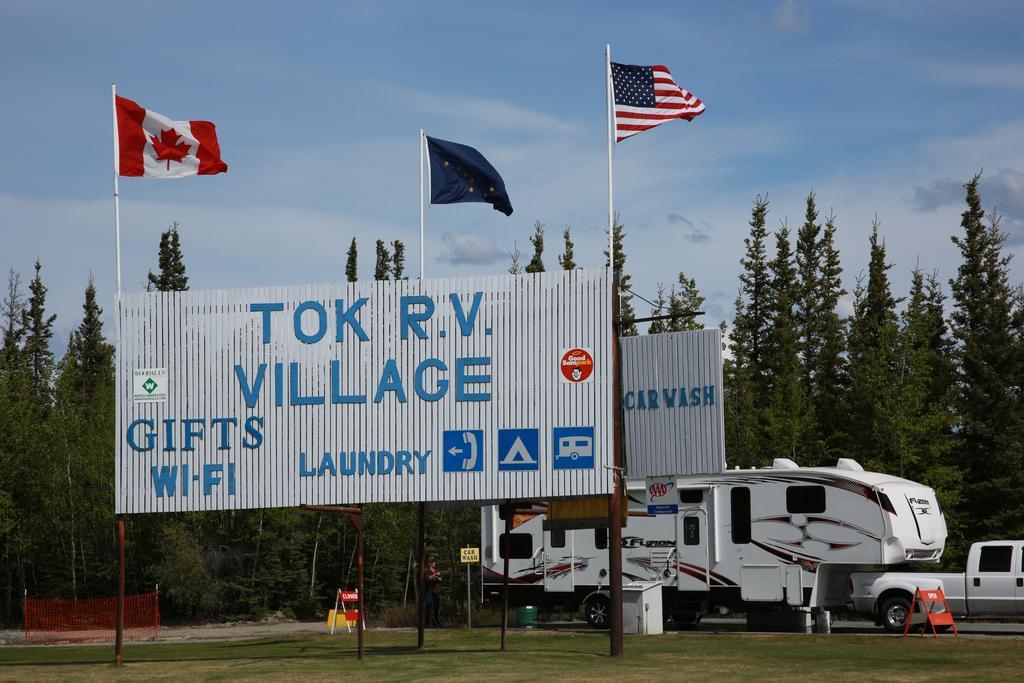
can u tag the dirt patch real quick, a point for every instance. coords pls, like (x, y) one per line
(275, 625)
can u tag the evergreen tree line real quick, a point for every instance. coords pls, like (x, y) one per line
(929, 386)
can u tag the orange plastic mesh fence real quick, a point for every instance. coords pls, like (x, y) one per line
(91, 619)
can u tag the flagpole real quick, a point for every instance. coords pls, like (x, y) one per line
(421, 203)
(609, 96)
(117, 195)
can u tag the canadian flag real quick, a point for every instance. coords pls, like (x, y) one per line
(152, 145)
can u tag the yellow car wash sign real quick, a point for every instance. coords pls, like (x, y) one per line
(470, 555)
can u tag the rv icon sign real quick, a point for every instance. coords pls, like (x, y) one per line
(573, 448)
(463, 450)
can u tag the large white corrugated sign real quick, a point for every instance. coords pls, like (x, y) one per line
(672, 396)
(456, 389)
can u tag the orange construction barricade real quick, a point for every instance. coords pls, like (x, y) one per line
(929, 600)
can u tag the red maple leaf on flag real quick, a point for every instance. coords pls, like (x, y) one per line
(168, 147)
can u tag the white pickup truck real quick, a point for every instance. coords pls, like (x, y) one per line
(993, 587)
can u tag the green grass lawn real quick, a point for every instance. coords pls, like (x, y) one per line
(461, 655)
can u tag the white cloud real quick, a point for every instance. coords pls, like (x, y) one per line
(465, 249)
(792, 15)
(481, 112)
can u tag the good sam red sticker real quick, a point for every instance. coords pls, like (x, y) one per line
(577, 365)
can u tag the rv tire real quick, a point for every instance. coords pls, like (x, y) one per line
(894, 613)
(597, 610)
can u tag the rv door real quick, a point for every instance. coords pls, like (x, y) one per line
(559, 562)
(693, 558)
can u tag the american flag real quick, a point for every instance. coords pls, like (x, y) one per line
(646, 96)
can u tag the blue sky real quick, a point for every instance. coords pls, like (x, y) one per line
(878, 107)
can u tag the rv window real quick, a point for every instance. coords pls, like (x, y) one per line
(995, 558)
(691, 496)
(558, 538)
(740, 515)
(600, 538)
(805, 499)
(691, 531)
(520, 545)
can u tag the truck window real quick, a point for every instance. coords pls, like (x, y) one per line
(600, 538)
(740, 499)
(691, 496)
(517, 546)
(691, 531)
(804, 499)
(995, 558)
(558, 538)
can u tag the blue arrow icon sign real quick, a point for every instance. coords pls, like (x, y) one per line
(463, 450)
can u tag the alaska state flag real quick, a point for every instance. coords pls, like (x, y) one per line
(459, 173)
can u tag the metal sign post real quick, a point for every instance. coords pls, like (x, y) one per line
(469, 556)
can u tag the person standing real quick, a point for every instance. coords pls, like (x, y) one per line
(434, 579)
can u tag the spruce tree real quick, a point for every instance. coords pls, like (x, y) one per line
(13, 305)
(988, 411)
(382, 268)
(38, 332)
(351, 269)
(93, 356)
(874, 367)
(660, 307)
(566, 260)
(745, 371)
(536, 264)
(925, 420)
(398, 260)
(625, 299)
(785, 418)
(807, 306)
(752, 322)
(515, 267)
(686, 299)
(172, 276)
(828, 374)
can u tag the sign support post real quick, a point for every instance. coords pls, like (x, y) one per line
(509, 510)
(469, 556)
(357, 519)
(615, 501)
(421, 575)
(119, 625)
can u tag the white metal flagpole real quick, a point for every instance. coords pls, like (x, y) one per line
(117, 196)
(610, 97)
(421, 202)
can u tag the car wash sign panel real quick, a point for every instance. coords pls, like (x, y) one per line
(672, 396)
(433, 390)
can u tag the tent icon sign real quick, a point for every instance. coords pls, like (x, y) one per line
(518, 449)
(574, 448)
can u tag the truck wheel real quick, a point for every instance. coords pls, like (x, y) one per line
(895, 611)
(597, 611)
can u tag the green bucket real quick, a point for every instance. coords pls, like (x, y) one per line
(526, 617)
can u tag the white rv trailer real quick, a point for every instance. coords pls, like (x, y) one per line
(742, 540)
